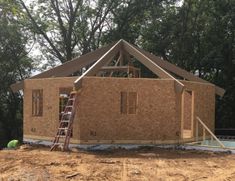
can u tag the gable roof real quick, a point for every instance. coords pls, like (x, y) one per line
(104, 55)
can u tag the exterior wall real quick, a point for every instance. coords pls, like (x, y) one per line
(101, 119)
(204, 102)
(44, 127)
(98, 117)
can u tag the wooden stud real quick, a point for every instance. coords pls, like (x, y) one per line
(121, 58)
(192, 113)
(197, 130)
(118, 61)
(182, 115)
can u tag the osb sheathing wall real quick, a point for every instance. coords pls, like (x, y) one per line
(98, 115)
(45, 126)
(101, 119)
(204, 103)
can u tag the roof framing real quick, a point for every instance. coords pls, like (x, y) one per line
(67, 68)
(152, 65)
(123, 45)
(103, 56)
(103, 60)
(179, 71)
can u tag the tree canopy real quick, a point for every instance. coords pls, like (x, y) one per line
(14, 65)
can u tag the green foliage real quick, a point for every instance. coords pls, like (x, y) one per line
(14, 65)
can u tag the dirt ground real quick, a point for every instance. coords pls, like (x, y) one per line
(142, 164)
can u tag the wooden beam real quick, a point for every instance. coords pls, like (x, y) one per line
(117, 62)
(209, 131)
(178, 71)
(121, 58)
(99, 63)
(152, 65)
(117, 68)
(182, 115)
(67, 68)
(17, 86)
(192, 113)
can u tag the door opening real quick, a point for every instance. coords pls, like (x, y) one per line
(187, 114)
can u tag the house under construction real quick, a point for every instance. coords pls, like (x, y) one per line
(113, 103)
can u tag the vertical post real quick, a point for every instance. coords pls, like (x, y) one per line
(121, 58)
(182, 114)
(196, 130)
(204, 134)
(192, 114)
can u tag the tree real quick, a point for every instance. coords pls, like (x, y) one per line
(66, 28)
(14, 65)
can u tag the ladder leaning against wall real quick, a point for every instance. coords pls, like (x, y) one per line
(63, 134)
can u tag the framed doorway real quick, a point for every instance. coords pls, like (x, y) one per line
(187, 114)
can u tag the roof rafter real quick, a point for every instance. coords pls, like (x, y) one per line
(179, 71)
(67, 68)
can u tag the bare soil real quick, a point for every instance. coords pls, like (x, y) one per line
(38, 163)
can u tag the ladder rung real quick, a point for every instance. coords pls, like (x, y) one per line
(71, 99)
(63, 128)
(64, 112)
(65, 121)
(67, 113)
